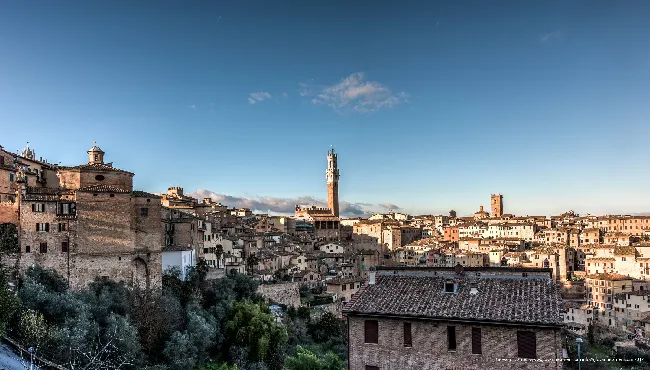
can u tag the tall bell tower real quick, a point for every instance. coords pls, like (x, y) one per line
(332, 176)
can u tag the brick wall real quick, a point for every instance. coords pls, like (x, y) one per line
(429, 350)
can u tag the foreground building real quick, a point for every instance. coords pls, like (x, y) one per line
(455, 318)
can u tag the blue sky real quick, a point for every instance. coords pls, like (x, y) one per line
(432, 106)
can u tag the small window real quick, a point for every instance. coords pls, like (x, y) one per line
(449, 287)
(526, 344)
(38, 207)
(476, 341)
(11, 177)
(371, 331)
(43, 248)
(63, 227)
(28, 249)
(451, 338)
(64, 247)
(408, 338)
(99, 177)
(369, 367)
(144, 212)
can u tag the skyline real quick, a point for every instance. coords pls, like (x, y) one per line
(432, 107)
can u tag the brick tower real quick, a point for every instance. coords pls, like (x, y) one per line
(497, 205)
(332, 176)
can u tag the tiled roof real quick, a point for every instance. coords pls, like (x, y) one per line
(625, 251)
(103, 189)
(613, 277)
(144, 194)
(95, 167)
(499, 299)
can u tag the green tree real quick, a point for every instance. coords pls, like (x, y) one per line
(252, 327)
(8, 302)
(8, 239)
(308, 360)
(223, 366)
(32, 328)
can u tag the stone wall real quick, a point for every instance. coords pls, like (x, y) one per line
(8, 212)
(429, 350)
(286, 294)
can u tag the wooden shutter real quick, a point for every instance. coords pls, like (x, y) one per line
(37, 224)
(476, 341)
(451, 338)
(47, 227)
(408, 338)
(64, 247)
(372, 331)
(526, 344)
(33, 207)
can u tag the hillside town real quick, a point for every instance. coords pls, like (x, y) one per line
(86, 221)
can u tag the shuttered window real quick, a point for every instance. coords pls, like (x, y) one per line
(368, 367)
(64, 247)
(372, 331)
(43, 248)
(476, 341)
(526, 344)
(451, 338)
(408, 338)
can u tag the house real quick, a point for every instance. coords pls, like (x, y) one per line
(455, 318)
(181, 258)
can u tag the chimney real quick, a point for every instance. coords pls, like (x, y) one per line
(371, 280)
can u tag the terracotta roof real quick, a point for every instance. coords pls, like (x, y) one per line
(103, 189)
(101, 167)
(144, 194)
(499, 299)
(613, 277)
(625, 251)
(340, 281)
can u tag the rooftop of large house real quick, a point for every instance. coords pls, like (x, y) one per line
(480, 295)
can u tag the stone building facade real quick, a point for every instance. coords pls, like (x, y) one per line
(92, 225)
(455, 318)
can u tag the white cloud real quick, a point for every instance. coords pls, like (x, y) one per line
(355, 93)
(285, 95)
(555, 35)
(287, 205)
(258, 96)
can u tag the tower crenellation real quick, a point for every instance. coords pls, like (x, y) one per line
(496, 201)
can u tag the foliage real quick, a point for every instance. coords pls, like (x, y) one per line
(194, 323)
(8, 302)
(308, 360)
(251, 326)
(8, 239)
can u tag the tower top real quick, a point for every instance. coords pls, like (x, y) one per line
(95, 154)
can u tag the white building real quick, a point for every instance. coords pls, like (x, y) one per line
(183, 260)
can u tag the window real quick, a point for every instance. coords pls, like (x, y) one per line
(371, 331)
(351, 285)
(99, 177)
(43, 248)
(344, 287)
(38, 207)
(526, 344)
(449, 287)
(408, 338)
(11, 177)
(45, 227)
(144, 212)
(476, 341)
(63, 227)
(368, 367)
(451, 338)
(28, 249)
(64, 247)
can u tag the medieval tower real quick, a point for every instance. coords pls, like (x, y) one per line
(497, 205)
(332, 176)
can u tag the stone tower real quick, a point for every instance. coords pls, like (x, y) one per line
(95, 155)
(497, 205)
(332, 176)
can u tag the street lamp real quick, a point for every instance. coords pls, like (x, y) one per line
(31, 358)
(579, 342)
